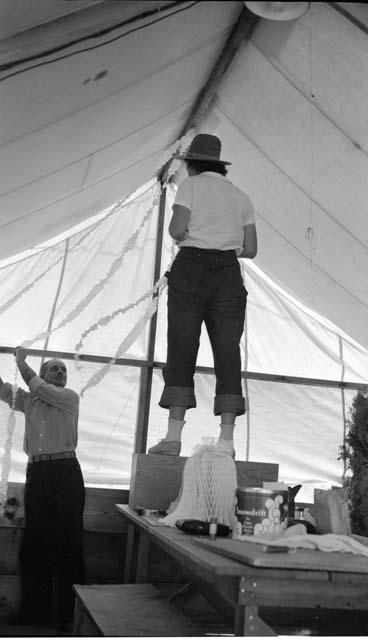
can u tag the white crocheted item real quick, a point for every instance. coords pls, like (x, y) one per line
(6, 460)
(208, 488)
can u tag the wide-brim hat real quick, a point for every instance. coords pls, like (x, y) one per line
(203, 147)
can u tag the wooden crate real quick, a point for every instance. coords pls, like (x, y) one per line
(104, 534)
(99, 512)
(156, 479)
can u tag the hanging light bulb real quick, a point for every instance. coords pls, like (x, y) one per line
(278, 10)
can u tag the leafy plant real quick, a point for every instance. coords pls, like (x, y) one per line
(355, 453)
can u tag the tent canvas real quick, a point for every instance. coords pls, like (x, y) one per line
(289, 111)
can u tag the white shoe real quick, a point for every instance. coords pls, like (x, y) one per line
(166, 448)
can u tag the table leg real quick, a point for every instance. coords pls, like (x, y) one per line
(248, 623)
(246, 619)
(142, 557)
(129, 553)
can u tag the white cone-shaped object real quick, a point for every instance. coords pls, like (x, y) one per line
(208, 488)
(278, 10)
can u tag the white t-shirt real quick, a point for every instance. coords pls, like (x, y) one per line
(219, 211)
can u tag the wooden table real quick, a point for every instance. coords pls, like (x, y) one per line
(303, 579)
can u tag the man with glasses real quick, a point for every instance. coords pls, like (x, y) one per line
(52, 547)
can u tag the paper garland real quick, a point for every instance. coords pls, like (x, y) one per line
(6, 462)
(179, 146)
(130, 338)
(83, 304)
(9, 303)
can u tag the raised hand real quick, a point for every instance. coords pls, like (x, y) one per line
(20, 355)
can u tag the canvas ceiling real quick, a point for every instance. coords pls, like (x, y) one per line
(86, 124)
(71, 143)
(290, 111)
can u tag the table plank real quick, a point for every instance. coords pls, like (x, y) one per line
(183, 547)
(251, 553)
(259, 579)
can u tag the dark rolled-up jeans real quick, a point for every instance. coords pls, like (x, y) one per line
(204, 285)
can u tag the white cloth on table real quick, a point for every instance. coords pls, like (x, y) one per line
(296, 538)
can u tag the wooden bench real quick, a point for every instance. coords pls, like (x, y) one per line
(127, 610)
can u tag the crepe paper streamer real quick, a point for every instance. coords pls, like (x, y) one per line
(7, 305)
(180, 145)
(6, 461)
(105, 320)
(173, 169)
(115, 209)
(74, 313)
(208, 487)
(127, 342)
(130, 338)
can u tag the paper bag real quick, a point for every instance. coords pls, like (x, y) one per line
(331, 511)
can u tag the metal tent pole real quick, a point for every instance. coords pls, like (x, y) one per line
(146, 375)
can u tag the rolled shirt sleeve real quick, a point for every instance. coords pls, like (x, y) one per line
(59, 397)
(184, 194)
(249, 217)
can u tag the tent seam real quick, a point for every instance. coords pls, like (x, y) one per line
(225, 113)
(278, 68)
(315, 266)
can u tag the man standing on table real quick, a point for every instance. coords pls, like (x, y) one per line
(52, 545)
(213, 223)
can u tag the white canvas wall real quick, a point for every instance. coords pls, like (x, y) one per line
(298, 426)
(291, 115)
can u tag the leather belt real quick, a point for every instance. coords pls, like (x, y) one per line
(52, 456)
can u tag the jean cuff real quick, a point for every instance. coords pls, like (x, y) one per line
(229, 403)
(178, 397)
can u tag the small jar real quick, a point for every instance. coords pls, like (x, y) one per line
(213, 528)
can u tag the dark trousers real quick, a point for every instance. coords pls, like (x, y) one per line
(204, 286)
(51, 551)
